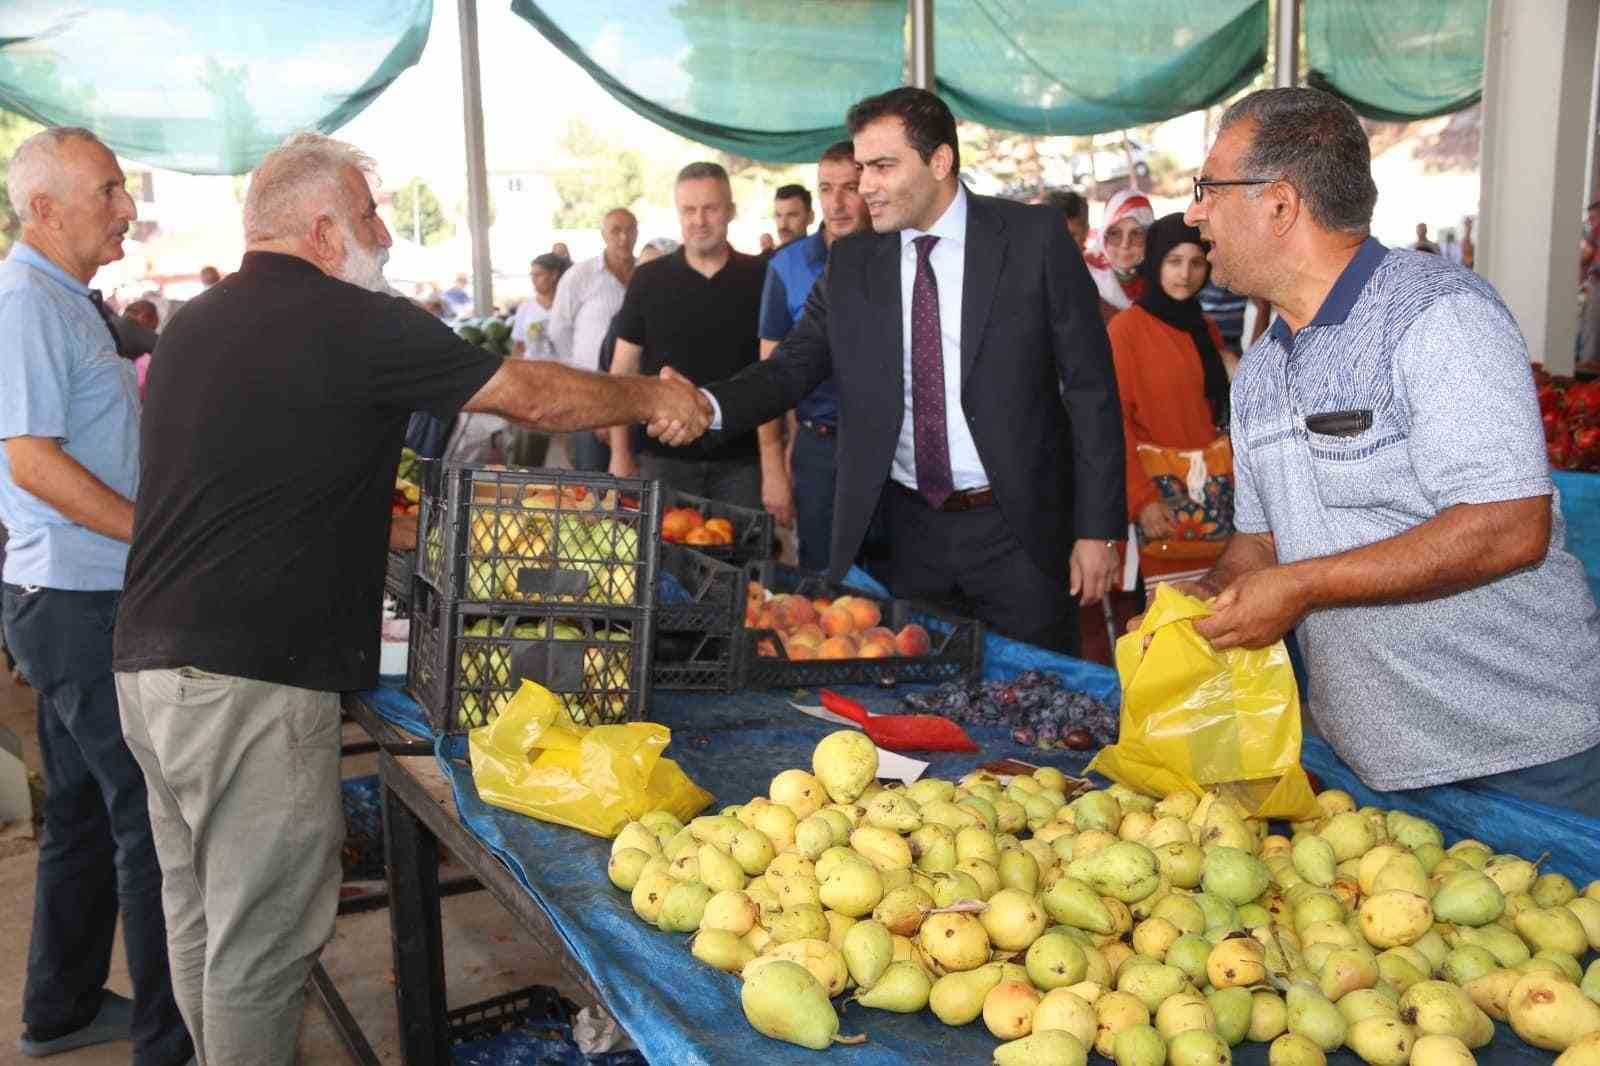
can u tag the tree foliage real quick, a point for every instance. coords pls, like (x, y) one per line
(14, 129)
(416, 209)
(595, 177)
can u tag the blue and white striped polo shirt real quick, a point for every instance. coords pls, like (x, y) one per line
(1432, 371)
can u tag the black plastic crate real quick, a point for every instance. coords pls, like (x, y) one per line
(699, 607)
(536, 1007)
(468, 660)
(752, 529)
(955, 652)
(523, 537)
(402, 567)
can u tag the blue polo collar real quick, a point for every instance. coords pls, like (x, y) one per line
(28, 255)
(1342, 297)
(816, 248)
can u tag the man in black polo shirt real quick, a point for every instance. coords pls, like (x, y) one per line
(696, 310)
(278, 402)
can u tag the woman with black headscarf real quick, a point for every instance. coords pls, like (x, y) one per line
(1173, 376)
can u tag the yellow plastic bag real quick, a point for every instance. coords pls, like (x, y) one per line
(1196, 718)
(534, 759)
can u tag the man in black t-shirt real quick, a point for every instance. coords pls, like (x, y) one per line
(278, 402)
(696, 310)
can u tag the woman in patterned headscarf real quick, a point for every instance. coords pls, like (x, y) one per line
(1115, 266)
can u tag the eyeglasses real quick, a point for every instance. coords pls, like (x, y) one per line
(1202, 184)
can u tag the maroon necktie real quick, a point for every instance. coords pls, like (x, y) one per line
(932, 449)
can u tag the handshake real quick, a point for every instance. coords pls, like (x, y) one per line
(679, 412)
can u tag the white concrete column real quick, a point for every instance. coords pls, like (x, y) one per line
(1537, 115)
(477, 167)
(920, 44)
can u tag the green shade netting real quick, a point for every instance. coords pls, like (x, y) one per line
(1398, 60)
(772, 79)
(765, 79)
(207, 88)
(1087, 66)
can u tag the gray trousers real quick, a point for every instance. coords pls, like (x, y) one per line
(243, 783)
(736, 481)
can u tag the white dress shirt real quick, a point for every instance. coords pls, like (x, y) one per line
(587, 299)
(948, 260)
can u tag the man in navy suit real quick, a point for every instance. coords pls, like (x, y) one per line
(977, 401)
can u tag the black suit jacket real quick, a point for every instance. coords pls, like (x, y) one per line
(1037, 385)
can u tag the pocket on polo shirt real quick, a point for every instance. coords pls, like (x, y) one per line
(1359, 471)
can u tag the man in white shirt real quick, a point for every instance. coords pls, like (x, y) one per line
(588, 298)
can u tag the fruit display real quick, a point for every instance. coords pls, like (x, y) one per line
(1039, 710)
(686, 525)
(492, 333)
(1571, 413)
(1148, 932)
(842, 627)
(487, 679)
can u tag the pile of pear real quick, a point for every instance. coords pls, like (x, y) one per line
(1149, 932)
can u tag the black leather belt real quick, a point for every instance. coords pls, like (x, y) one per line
(965, 500)
(821, 429)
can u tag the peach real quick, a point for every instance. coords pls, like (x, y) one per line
(810, 634)
(877, 649)
(865, 613)
(700, 535)
(913, 640)
(840, 647)
(878, 633)
(821, 603)
(801, 651)
(675, 525)
(838, 621)
(794, 611)
(722, 529)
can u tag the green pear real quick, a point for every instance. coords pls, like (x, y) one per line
(1055, 961)
(846, 762)
(1066, 1010)
(1467, 963)
(1317, 907)
(1587, 912)
(1292, 1049)
(974, 842)
(783, 1001)
(722, 950)
(661, 823)
(1124, 870)
(1019, 870)
(983, 809)
(1491, 993)
(650, 891)
(718, 870)
(1313, 1017)
(954, 941)
(1220, 913)
(1429, 855)
(1183, 912)
(1073, 902)
(804, 921)
(1438, 1007)
(1350, 834)
(852, 889)
(731, 911)
(1097, 810)
(1438, 1050)
(958, 885)
(868, 948)
(1555, 929)
(1400, 971)
(1550, 1012)
(753, 851)
(1345, 971)
(1232, 1008)
(684, 904)
(902, 989)
(1381, 1041)
(903, 910)
(1013, 920)
(1151, 984)
(1564, 962)
(1367, 1003)
(624, 867)
(1198, 1047)
(1181, 863)
(813, 836)
(1010, 815)
(1191, 954)
(715, 829)
(638, 836)
(1403, 873)
(1411, 832)
(928, 789)
(1139, 1045)
(1314, 859)
(1114, 1012)
(957, 998)
(1234, 875)
(1269, 1016)
(1590, 985)
(1553, 890)
(1394, 917)
(1468, 898)
(1507, 947)
(1513, 874)
(1049, 1047)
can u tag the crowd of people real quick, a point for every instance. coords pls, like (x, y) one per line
(192, 580)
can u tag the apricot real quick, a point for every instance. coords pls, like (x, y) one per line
(810, 634)
(838, 621)
(700, 535)
(841, 647)
(722, 528)
(878, 633)
(912, 640)
(794, 611)
(821, 603)
(877, 649)
(865, 613)
(674, 526)
(801, 651)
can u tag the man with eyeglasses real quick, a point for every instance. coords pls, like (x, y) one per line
(1393, 500)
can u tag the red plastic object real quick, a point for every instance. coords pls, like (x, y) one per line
(902, 732)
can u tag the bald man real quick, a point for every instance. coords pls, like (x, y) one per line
(588, 298)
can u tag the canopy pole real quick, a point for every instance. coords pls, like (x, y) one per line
(921, 57)
(477, 167)
(1286, 45)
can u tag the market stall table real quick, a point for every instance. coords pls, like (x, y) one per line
(679, 1011)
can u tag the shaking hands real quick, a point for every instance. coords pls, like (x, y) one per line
(680, 412)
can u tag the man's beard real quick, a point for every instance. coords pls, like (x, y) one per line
(363, 266)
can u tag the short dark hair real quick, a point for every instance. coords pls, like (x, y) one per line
(1069, 203)
(794, 192)
(552, 261)
(839, 152)
(1313, 141)
(927, 119)
(701, 170)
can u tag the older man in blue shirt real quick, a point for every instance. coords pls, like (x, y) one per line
(69, 422)
(802, 493)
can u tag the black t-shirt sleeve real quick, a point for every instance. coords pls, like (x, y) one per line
(629, 325)
(414, 362)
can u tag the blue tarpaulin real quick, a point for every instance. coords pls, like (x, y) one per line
(1580, 505)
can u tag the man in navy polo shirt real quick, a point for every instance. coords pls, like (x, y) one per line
(1393, 500)
(801, 493)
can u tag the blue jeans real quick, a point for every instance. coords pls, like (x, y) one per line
(97, 855)
(1573, 782)
(815, 471)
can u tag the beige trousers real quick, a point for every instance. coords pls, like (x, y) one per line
(243, 783)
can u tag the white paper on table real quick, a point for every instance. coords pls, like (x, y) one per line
(892, 766)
